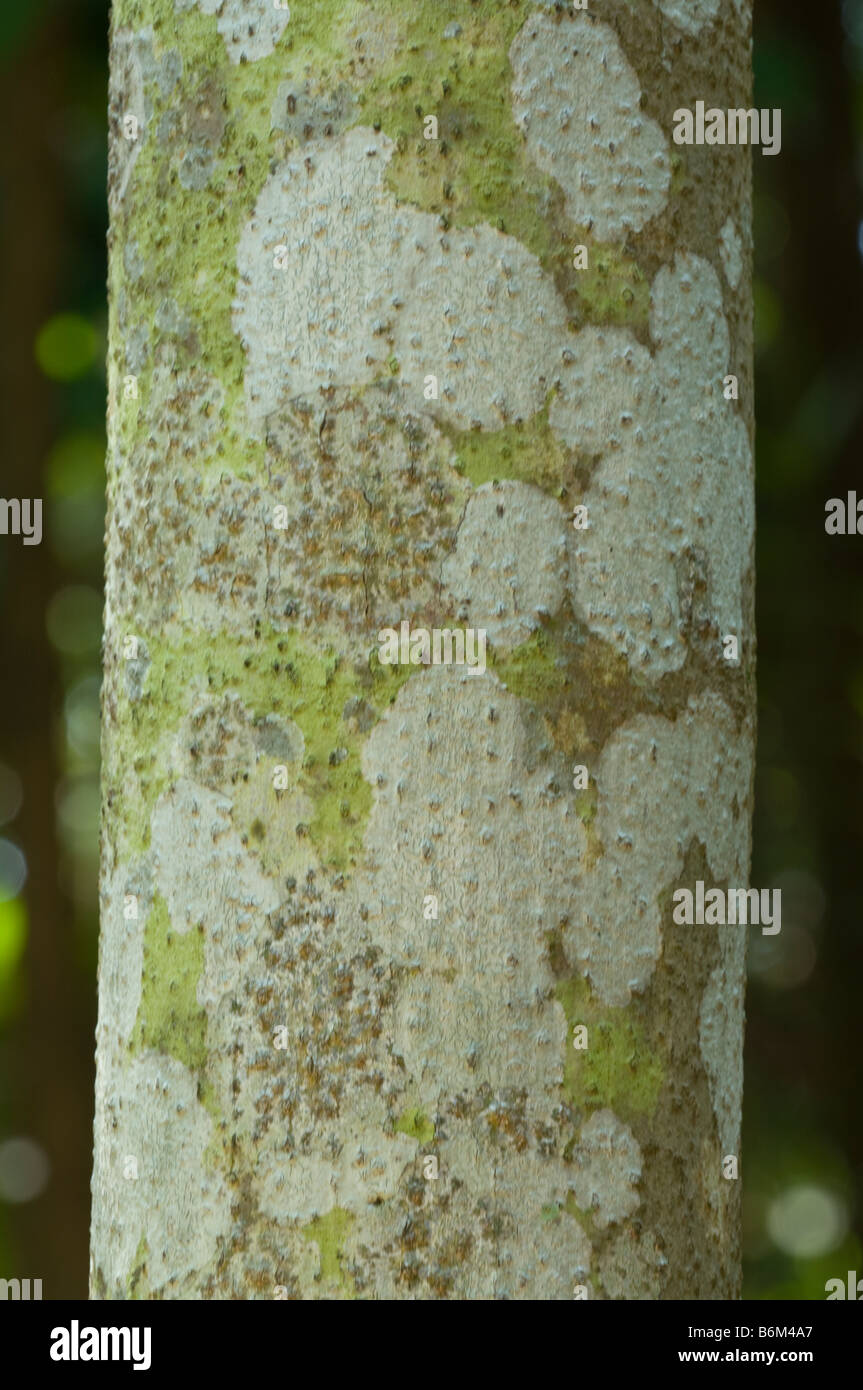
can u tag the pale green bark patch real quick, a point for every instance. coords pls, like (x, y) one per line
(616, 1070)
(416, 1125)
(169, 1017)
(329, 1234)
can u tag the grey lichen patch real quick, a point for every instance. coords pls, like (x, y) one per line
(308, 110)
(196, 167)
(538, 1258)
(298, 1006)
(690, 15)
(721, 1037)
(579, 104)
(607, 1169)
(183, 423)
(134, 68)
(698, 770)
(510, 565)
(132, 263)
(192, 130)
(731, 252)
(632, 1267)
(676, 411)
(135, 670)
(366, 282)
(251, 28)
(149, 1177)
(221, 742)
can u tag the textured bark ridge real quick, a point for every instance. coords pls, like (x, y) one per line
(359, 920)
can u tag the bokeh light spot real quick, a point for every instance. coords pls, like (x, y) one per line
(76, 464)
(24, 1170)
(74, 620)
(13, 870)
(66, 347)
(807, 1221)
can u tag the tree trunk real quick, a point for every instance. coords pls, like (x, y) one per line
(392, 1004)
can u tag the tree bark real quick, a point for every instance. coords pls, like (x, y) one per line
(391, 1000)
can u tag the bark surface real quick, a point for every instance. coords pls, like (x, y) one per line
(391, 1000)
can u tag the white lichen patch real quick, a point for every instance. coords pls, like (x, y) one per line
(578, 102)
(547, 1263)
(522, 1242)
(678, 484)
(697, 769)
(370, 286)
(631, 1267)
(731, 252)
(509, 568)
(542, 1256)
(364, 1166)
(690, 15)
(456, 761)
(125, 900)
(202, 869)
(150, 1178)
(721, 1037)
(606, 1169)
(607, 392)
(251, 28)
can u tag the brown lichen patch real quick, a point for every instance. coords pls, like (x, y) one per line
(582, 687)
(682, 1158)
(375, 503)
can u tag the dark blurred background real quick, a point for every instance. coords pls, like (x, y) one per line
(802, 1163)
